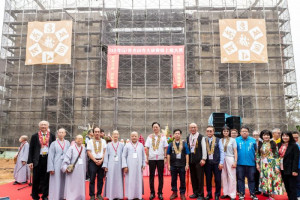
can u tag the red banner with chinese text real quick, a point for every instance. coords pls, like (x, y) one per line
(112, 71)
(113, 61)
(178, 71)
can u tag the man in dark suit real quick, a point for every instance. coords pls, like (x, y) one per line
(214, 163)
(37, 160)
(198, 155)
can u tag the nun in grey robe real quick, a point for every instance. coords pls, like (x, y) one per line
(114, 177)
(22, 172)
(56, 156)
(75, 181)
(133, 157)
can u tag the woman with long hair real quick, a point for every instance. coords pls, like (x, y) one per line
(289, 158)
(230, 161)
(268, 164)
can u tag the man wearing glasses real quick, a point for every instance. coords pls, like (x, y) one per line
(214, 164)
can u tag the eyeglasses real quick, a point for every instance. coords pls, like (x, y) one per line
(209, 131)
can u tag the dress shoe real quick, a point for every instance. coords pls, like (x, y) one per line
(45, 198)
(266, 195)
(193, 196)
(224, 197)
(182, 197)
(160, 197)
(208, 197)
(99, 197)
(200, 198)
(174, 195)
(232, 198)
(254, 197)
(92, 198)
(152, 196)
(15, 183)
(257, 192)
(216, 198)
(241, 197)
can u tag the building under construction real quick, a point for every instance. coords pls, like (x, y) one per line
(72, 96)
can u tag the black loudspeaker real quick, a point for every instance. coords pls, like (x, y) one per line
(234, 122)
(218, 122)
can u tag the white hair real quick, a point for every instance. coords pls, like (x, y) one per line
(115, 131)
(255, 132)
(276, 130)
(43, 121)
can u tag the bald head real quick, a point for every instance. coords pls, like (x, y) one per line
(79, 140)
(193, 128)
(23, 138)
(115, 135)
(78, 137)
(134, 136)
(61, 133)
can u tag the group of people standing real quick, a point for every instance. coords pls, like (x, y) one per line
(60, 168)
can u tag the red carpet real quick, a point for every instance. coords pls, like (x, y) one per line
(12, 191)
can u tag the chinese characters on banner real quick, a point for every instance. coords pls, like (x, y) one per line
(49, 43)
(113, 61)
(112, 71)
(243, 41)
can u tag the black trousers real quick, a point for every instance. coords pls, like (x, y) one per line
(257, 176)
(211, 168)
(159, 164)
(197, 178)
(40, 178)
(290, 183)
(95, 170)
(175, 171)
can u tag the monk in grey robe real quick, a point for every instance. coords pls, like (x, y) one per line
(22, 171)
(133, 162)
(112, 164)
(56, 156)
(75, 180)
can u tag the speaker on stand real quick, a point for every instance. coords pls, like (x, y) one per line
(234, 122)
(218, 123)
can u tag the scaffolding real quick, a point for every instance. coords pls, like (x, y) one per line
(71, 96)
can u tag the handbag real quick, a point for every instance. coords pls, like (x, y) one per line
(16, 157)
(71, 167)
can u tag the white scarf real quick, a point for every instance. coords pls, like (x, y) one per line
(193, 138)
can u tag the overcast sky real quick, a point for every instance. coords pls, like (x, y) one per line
(294, 9)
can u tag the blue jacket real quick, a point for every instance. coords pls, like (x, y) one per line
(246, 151)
